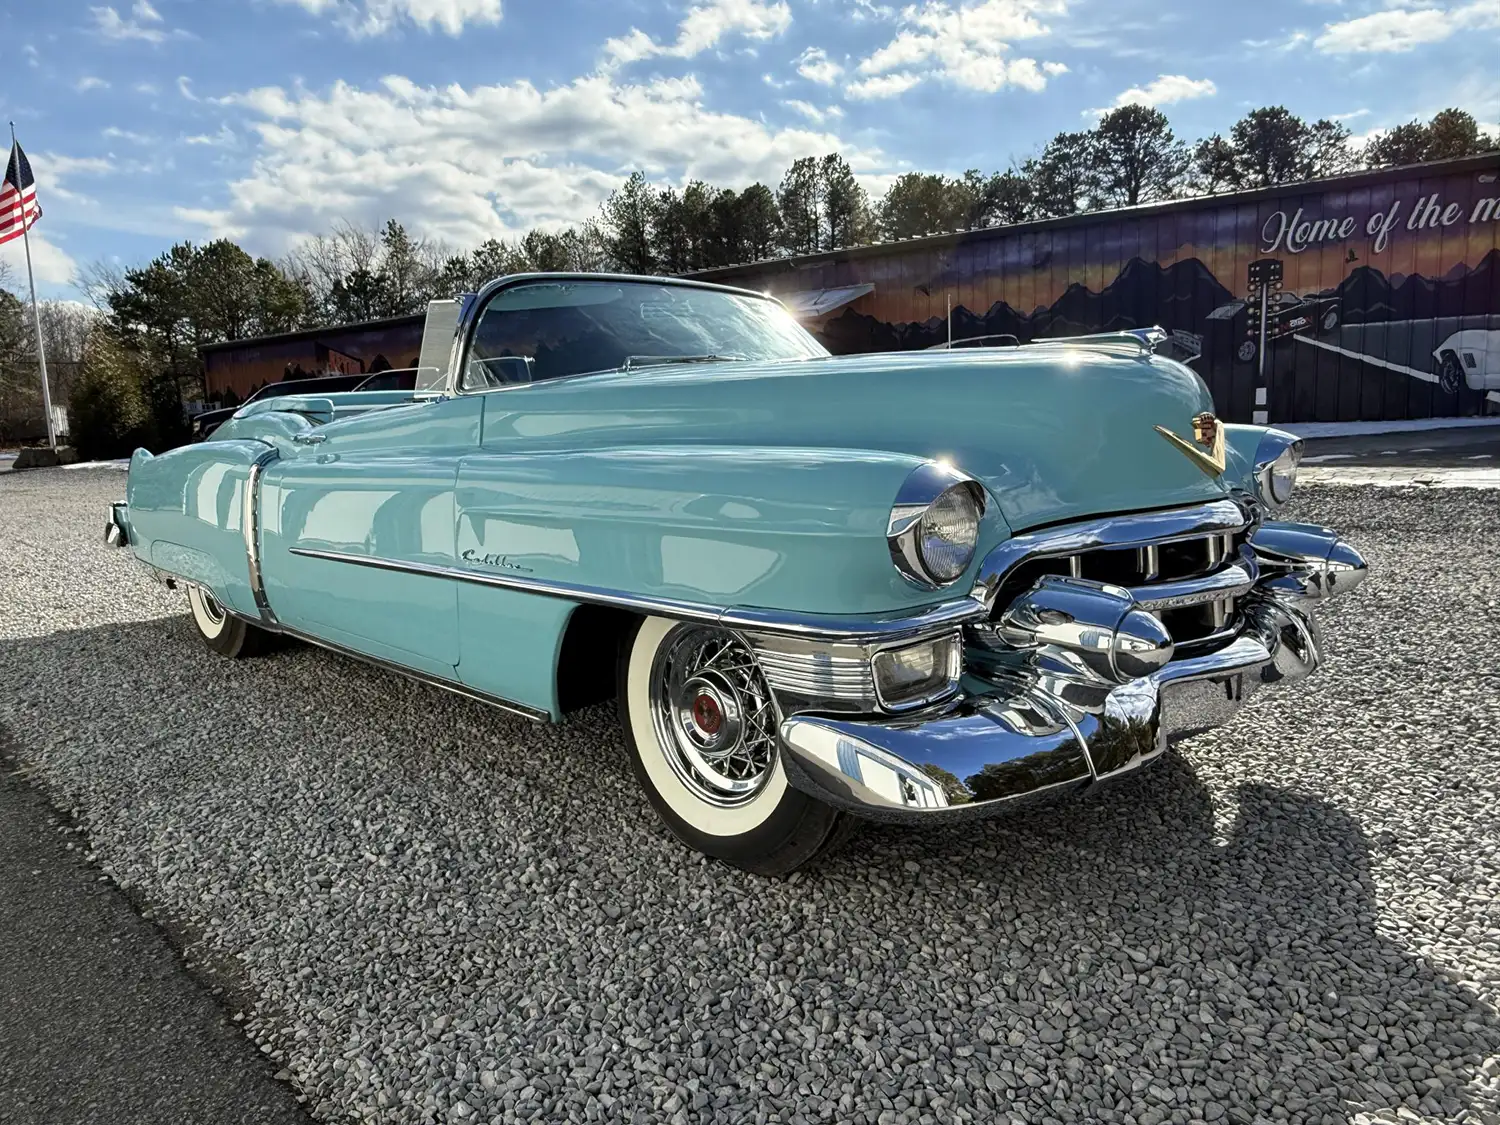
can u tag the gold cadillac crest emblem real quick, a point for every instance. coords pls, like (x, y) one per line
(1208, 432)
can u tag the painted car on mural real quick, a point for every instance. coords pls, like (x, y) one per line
(1469, 358)
(904, 587)
(1287, 315)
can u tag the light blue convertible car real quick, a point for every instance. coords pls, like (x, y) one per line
(912, 587)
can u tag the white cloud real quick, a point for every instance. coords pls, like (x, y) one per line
(1166, 89)
(52, 168)
(434, 157)
(882, 86)
(1404, 28)
(967, 44)
(816, 114)
(143, 24)
(114, 133)
(815, 65)
(377, 17)
(90, 82)
(185, 87)
(51, 264)
(224, 138)
(703, 28)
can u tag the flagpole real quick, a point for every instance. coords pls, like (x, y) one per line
(36, 316)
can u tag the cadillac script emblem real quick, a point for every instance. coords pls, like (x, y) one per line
(1208, 432)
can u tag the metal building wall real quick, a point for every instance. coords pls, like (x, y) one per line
(1380, 273)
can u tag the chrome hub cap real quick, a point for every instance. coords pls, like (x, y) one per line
(713, 715)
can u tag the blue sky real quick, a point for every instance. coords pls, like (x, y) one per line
(153, 121)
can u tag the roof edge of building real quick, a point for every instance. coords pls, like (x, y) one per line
(1347, 181)
(311, 333)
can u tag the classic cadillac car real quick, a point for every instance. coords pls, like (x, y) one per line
(905, 587)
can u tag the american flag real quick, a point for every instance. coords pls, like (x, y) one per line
(19, 209)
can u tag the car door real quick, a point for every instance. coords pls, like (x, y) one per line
(358, 531)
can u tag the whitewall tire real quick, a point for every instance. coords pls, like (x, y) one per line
(701, 726)
(223, 632)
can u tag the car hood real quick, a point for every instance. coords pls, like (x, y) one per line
(1053, 436)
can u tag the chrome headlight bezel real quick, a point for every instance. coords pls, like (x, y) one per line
(929, 490)
(1276, 461)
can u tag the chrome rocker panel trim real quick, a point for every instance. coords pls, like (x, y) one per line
(421, 677)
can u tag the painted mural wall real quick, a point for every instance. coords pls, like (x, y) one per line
(1389, 303)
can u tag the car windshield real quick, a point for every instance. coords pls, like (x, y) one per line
(550, 329)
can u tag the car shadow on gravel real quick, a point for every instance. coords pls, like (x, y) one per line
(1273, 948)
(1204, 947)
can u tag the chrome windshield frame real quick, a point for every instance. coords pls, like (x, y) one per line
(474, 307)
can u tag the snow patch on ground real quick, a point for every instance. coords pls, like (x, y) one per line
(1310, 430)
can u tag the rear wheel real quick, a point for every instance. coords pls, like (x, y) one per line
(701, 725)
(221, 630)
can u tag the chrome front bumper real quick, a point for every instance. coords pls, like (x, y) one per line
(1017, 737)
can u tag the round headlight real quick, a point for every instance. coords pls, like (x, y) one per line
(1281, 478)
(1284, 474)
(934, 526)
(1276, 462)
(948, 532)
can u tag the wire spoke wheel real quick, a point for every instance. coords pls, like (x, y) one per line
(714, 715)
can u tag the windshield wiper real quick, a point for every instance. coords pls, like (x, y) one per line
(634, 361)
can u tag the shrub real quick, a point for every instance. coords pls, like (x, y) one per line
(107, 410)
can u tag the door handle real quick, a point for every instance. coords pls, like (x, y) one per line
(309, 439)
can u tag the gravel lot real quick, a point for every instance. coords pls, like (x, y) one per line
(444, 914)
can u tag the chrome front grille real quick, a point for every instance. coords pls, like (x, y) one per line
(1192, 584)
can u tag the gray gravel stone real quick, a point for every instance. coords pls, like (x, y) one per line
(446, 914)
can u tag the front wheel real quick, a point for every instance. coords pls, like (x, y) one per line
(1450, 374)
(223, 632)
(701, 725)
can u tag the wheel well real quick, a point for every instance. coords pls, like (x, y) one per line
(588, 662)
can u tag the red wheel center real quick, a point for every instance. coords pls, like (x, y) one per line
(707, 714)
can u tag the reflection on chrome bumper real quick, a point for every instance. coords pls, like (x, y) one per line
(1022, 736)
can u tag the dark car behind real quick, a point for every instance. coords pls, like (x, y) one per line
(396, 379)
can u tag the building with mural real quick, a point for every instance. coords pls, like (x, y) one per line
(1370, 296)
(232, 370)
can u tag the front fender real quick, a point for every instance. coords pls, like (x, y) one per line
(794, 529)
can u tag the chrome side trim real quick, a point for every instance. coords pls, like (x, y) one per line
(1134, 530)
(820, 675)
(874, 629)
(250, 520)
(427, 678)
